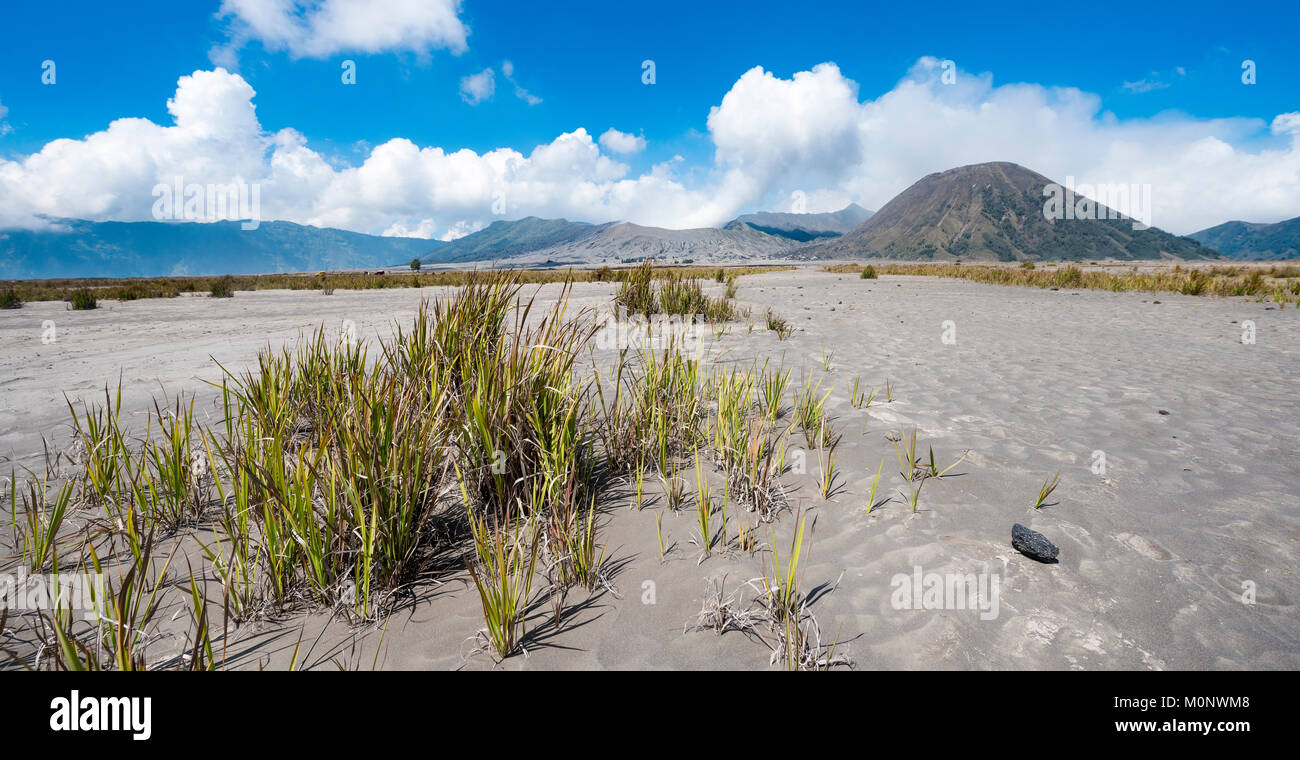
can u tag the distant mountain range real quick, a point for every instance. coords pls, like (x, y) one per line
(995, 211)
(803, 227)
(558, 241)
(533, 241)
(153, 249)
(992, 211)
(1246, 240)
(508, 240)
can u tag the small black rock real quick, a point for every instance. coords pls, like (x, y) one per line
(1162, 411)
(1033, 544)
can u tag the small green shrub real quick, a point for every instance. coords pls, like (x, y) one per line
(223, 288)
(83, 300)
(868, 273)
(9, 299)
(637, 294)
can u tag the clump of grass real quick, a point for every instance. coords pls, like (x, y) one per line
(858, 398)
(810, 409)
(795, 637)
(932, 468)
(223, 288)
(83, 300)
(675, 490)
(868, 273)
(121, 623)
(908, 463)
(503, 566)
(36, 530)
(772, 390)
(636, 295)
(734, 393)
(746, 538)
(703, 509)
(777, 324)
(779, 615)
(656, 411)
(680, 296)
(781, 582)
(827, 443)
(176, 492)
(575, 533)
(1046, 489)
(753, 477)
(9, 299)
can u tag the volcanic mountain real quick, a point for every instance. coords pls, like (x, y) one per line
(995, 211)
(1246, 240)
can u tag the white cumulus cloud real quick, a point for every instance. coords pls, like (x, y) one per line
(615, 141)
(321, 28)
(476, 88)
(508, 70)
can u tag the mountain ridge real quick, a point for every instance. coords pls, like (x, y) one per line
(1278, 241)
(81, 248)
(802, 227)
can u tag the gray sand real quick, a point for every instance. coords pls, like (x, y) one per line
(1153, 553)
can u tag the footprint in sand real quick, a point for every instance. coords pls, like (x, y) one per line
(1144, 546)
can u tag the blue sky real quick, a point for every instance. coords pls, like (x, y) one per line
(1145, 64)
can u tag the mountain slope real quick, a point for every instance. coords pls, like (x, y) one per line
(632, 242)
(803, 227)
(1246, 240)
(995, 211)
(537, 241)
(508, 240)
(152, 249)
